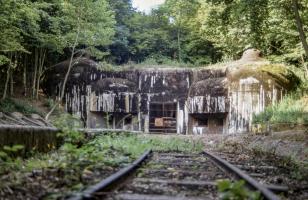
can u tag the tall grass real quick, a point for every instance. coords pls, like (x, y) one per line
(292, 109)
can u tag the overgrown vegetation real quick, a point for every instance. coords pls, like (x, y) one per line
(11, 105)
(8, 153)
(75, 166)
(292, 109)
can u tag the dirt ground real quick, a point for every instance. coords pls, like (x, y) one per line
(290, 144)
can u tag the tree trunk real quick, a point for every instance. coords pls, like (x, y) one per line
(14, 64)
(11, 83)
(305, 66)
(40, 70)
(8, 72)
(299, 25)
(35, 72)
(66, 75)
(179, 46)
(25, 75)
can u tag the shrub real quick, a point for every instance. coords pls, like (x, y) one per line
(292, 109)
(235, 190)
(10, 105)
(69, 125)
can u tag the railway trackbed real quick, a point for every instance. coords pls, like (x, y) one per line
(177, 176)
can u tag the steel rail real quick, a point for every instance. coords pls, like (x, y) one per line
(113, 179)
(252, 183)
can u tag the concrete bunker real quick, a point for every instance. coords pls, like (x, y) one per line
(208, 100)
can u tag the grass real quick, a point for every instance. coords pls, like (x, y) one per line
(73, 167)
(135, 145)
(151, 62)
(292, 109)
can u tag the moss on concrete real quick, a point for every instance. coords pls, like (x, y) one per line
(280, 74)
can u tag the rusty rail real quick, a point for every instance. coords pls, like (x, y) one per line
(112, 180)
(252, 183)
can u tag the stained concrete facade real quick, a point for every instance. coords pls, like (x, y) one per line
(211, 100)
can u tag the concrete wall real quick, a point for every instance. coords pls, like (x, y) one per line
(94, 94)
(250, 96)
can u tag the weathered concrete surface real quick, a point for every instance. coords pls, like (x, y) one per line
(31, 131)
(202, 100)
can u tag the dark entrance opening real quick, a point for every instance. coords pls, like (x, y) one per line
(208, 123)
(163, 117)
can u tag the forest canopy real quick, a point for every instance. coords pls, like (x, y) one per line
(38, 34)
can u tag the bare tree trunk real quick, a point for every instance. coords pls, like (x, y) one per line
(25, 75)
(13, 66)
(179, 37)
(66, 75)
(11, 84)
(8, 73)
(35, 72)
(299, 25)
(40, 70)
(179, 45)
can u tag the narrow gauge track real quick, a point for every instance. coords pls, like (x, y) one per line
(171, 176)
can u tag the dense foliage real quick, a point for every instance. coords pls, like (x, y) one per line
(38, 34)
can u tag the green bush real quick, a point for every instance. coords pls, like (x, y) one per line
(69, 133)
(10, 105)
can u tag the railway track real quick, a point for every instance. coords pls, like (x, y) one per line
(174, 176)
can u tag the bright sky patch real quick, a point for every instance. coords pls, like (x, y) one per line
(146, 5)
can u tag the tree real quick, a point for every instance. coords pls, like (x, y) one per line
(299, 25)
(88, 24)
(15, 17)
(149, 36)
(119, 49)
(180, 12)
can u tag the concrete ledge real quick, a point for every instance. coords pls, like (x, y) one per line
(17, 128)
(32, 137)
(101, 130)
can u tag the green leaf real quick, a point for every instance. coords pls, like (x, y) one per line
(7, 148)
(223, 185)
(3, 155)
(17, 147)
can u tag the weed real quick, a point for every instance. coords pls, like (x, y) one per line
(235, 191)
(67, 122)
(9, 159)
(10, 152)
(100, 156)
